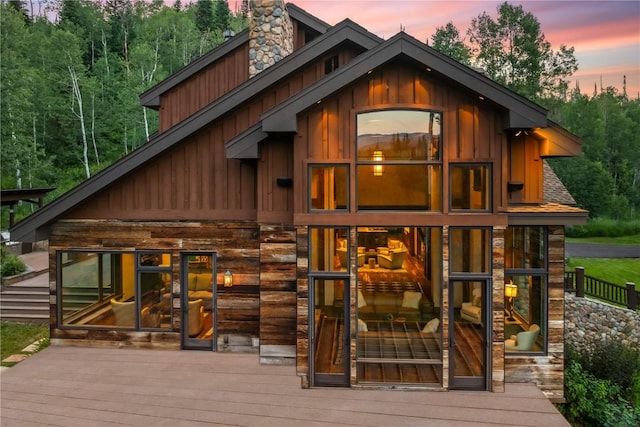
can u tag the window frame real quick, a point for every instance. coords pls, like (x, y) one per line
(489, 188)
(432, 163)
(543, 273)
(310, 167)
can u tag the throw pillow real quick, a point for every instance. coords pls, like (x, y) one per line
(411, 299)
(362, 326)
(361, 301)
(477, 301)
(432, 325)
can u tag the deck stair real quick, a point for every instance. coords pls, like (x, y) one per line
(26, 298)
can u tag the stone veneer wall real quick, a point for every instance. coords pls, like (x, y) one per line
(589, 322)
(270, 34)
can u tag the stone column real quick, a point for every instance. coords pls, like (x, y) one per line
(270, 34)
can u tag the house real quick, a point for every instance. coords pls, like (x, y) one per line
(369, 210)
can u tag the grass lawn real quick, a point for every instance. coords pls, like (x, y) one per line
(615, 270)
(16, 336)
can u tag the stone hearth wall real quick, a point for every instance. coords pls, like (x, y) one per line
(270, 34)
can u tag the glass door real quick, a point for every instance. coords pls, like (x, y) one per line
(198, 301)
(329, 332)
(468, 347)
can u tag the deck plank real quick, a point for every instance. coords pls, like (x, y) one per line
(107, 386)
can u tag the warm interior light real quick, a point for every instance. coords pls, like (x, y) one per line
(378, 157)
(510, 291)
(228, 279)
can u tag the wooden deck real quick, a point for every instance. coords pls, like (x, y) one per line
(80, 386)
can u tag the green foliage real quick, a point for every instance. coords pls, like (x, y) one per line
(605, 227)
(595, 401)
(448, 41)
(513, 51)
(10, 265)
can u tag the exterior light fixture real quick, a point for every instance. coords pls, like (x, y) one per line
(378, 170)
(228, 279)
(510, 291)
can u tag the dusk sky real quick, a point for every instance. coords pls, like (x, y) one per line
(605, 34)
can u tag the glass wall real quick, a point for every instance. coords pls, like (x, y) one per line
(399, 163)
(121, 290)
(525, 289)
(398, 332)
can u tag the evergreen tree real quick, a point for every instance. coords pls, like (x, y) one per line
(447, 40)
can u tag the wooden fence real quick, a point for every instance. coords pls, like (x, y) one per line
(578, 282)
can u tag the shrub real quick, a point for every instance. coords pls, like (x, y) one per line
(595, 402)
(615, 362)
(604, 227)
(11, 265)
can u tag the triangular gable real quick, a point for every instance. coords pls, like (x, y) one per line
(522, 113)
(34, 227)
(151, 97)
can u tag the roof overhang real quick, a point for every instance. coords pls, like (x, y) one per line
(558, 142)
(522, 113)
(546, 214)
(245, 145)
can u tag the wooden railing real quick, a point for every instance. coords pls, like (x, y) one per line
(578, 282)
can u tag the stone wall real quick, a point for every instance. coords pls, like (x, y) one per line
(270, 34)
(589, 322)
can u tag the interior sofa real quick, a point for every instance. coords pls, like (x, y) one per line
(199, 286)
(472, 310)
(387, 305)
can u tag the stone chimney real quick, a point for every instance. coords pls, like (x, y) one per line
(270, 34)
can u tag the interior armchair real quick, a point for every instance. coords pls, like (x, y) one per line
(196, 317)
(124, 312)
(523, 341)
(391, 259)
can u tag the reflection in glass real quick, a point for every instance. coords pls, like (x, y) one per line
(329, 187)
(399, 160)
(399, 135)
(328, 249)
(470, 187)
(524, 247)
(470, 250)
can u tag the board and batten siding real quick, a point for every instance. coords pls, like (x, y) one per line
(472, 131)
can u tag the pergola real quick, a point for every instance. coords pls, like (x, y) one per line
(14, 196)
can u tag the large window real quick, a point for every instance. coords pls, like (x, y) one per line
(114, 290)
(399, 160)
(525, 289)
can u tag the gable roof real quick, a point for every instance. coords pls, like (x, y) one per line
(34, 227)
(520, 112)
(151, 97)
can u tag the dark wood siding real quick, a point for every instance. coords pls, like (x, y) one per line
(236, 246)
(472, 131)
(204, 87)
(194, 180)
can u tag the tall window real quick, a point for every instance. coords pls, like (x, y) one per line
(399, 160)
(525, 289)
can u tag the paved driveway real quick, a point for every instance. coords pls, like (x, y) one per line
(89, 387)
(592, 250)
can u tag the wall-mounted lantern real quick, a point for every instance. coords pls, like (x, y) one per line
(228, 279)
